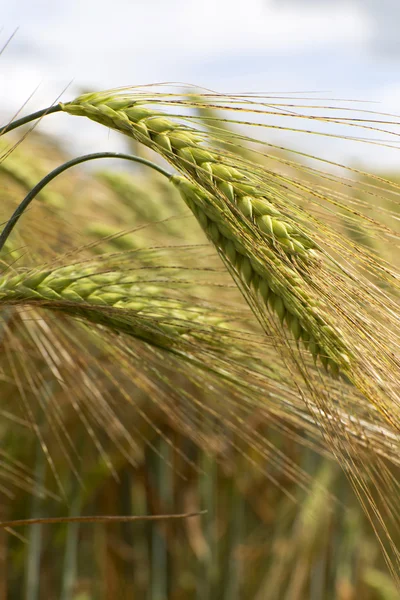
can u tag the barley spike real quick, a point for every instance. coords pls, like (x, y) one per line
(280, 287)
(180, 145)
(87, 290)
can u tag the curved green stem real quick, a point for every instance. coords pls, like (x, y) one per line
(64, 167)
(32, 117)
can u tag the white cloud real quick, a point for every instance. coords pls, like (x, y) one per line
(224, 44)
(382, 16)
(107, 44)
(135, 31)
(98, 43)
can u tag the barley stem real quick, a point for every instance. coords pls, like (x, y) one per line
(57, 171)
(29, 118)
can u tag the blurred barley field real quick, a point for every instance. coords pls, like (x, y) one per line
(190, 409)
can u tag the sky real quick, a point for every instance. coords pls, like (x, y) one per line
(332, 48)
